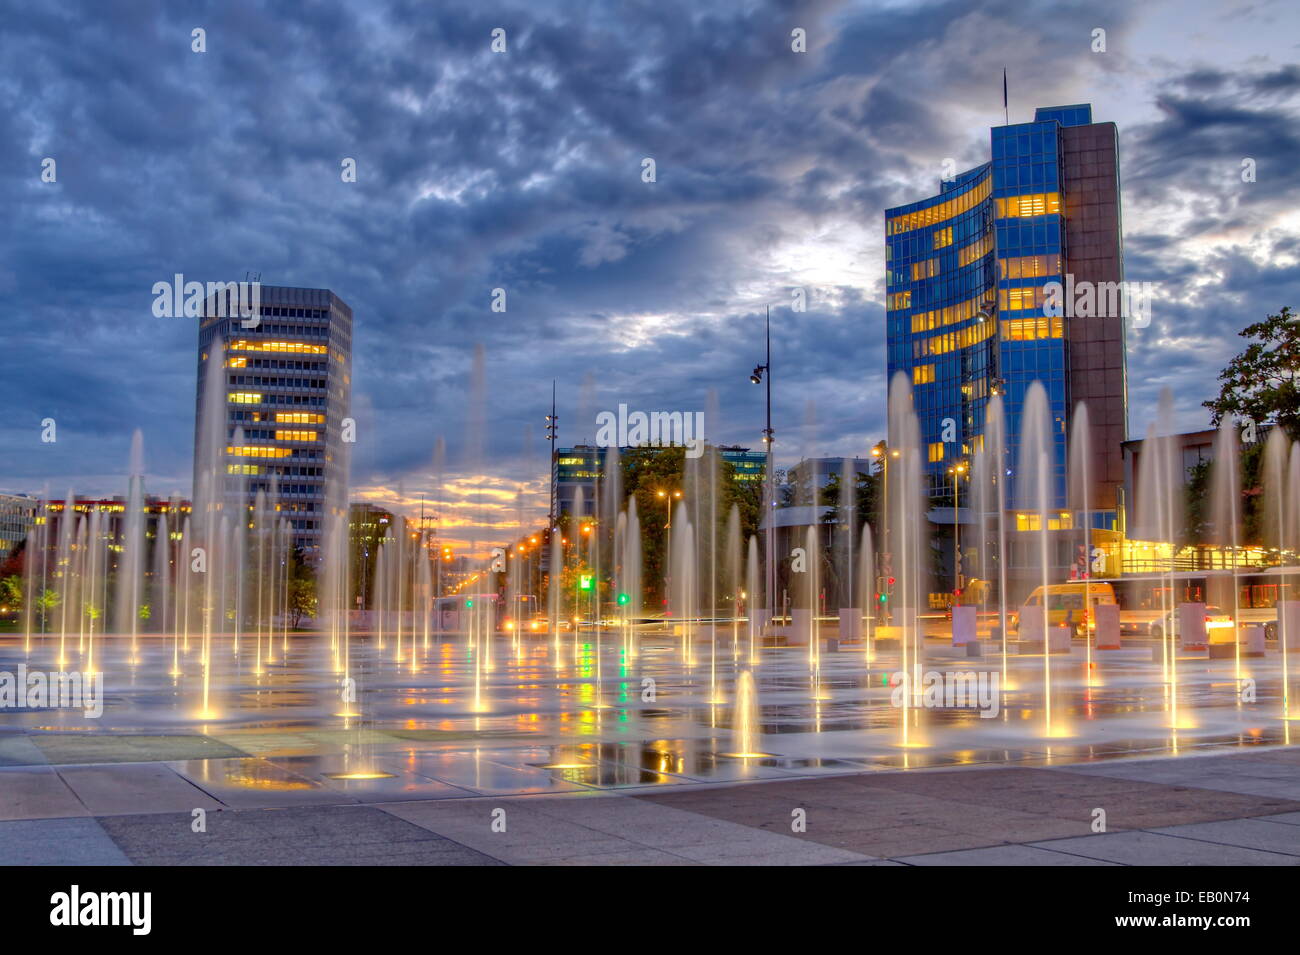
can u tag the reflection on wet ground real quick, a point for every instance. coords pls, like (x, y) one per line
(441, 724)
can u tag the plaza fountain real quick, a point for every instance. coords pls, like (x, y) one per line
(189, 617)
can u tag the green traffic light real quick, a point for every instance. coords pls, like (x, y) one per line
(623, 600)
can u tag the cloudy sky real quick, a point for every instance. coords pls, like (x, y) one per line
(523, 170)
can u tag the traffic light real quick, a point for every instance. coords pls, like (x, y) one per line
(469, 602)
(584, 582)
(623, 600)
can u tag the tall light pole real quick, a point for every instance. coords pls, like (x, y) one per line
(668, 497)
(957, 470)
(769, 516)
(884, 568)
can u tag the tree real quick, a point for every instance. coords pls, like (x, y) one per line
(46, 602)
(1199, 519)
(1262, 384)
(302, 587)
(302, 598)
(11, 592)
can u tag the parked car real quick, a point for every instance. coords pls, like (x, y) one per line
(1216, 618)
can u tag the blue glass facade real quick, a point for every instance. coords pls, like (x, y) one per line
(966, 271)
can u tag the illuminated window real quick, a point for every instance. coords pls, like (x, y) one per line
(1013, 299)
(1031, 329)
(943, 237)
(1030, 266)
(936, 451)
(922, 374)
(239, 362)
(298, 417)
(900, 300)
(243, 469)
(245, 398)
(1038, 204)
(1032, 522)
(295, 435)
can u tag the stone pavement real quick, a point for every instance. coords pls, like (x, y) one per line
(1226, 808)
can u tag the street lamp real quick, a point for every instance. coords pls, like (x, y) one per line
(757, 377)
(882, 452)
(957, 470)
(668, 497)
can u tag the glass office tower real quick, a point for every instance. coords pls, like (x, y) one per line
(285, 387)
(966, 273)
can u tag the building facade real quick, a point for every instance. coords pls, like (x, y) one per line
(970, 310)
(273, 398)
(17, 513)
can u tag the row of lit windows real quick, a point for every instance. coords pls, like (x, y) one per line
(950, 341)
(258, 452)
(922, 374)
(245, 397)
(243, 469)
(949, 315)
(1030, 266)
(940, 212)
(297, 435)
(943, 237)
(301, 348)
(1033, 522)
(975, 250)
(1036, 204)
(899, 300)
(299, 417)
(925, 270)
(1031, 329)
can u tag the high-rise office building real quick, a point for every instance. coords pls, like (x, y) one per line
(969, 310)
(279, 407)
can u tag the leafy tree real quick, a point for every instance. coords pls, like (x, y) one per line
(11, 592)
(302, 587)
(1263, 382)
(302, 598)
(1199, 502)
(646, 471)
(47, 602)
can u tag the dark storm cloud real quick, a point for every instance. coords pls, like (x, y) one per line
(522, 171)
(1225, 257)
